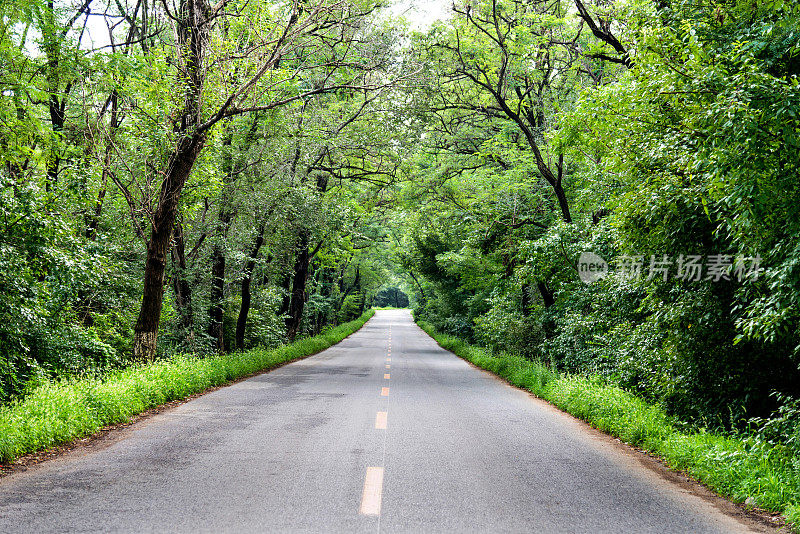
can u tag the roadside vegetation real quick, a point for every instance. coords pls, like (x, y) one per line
(187, 177)
(61, 411)
(746, 469)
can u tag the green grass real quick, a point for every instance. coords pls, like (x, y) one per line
(60, 412)
(741, 469)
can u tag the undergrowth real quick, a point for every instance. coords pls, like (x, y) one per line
(743, 469)
(59, 412)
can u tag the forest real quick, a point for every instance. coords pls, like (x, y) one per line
(606, 187)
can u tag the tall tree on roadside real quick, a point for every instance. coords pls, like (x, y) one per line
(499, 76)
(512, 61)
(248, 79)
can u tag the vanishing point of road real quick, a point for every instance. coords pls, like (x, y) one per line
(384, 432)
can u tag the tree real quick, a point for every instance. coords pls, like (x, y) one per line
(194, 22)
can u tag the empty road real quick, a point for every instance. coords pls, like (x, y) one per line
(385, 432)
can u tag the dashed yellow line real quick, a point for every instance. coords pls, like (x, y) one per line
(380, 420)
(373, 492)
(372, 495)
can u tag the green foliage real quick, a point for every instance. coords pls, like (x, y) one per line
(392, 297)
(86, 137)
(688, 150)
(505, 328)
(351, 306)
(264, 329)
(57, 316)
(783, 426)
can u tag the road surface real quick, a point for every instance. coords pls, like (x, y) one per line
(385, 432)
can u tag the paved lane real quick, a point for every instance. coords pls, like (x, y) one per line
(385, 432)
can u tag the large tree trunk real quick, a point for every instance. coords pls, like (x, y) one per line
(52, 45)
(419, 286)
(563, 203)
(547, 295)
(286, 286)
(247, 280)
(526, 300)
(548, 325)
(179, 167)
(297, 301)
(192, 33)
(363, 303)
(57, 119)
(180, 285)
(244, 311)
(216, 312)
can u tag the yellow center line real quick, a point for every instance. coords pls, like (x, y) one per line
(373, 492)
(388, 359)
(384, 392)
(386, 376)
(380, 420)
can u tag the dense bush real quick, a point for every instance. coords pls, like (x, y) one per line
(352, 306)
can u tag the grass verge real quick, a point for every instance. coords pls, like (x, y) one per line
(59, 412)
(745, 470)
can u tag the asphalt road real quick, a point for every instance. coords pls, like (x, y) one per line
(383, 432)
